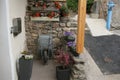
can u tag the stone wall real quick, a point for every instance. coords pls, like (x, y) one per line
(103, 9)
(32, 32)
(116, 11)
(34, 29)
(116, 14)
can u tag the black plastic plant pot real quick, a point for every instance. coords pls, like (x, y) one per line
(69, 38)
(63, 73)
(73, 51)
(25, 68)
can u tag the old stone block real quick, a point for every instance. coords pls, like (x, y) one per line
(75, 72)
(68, 24)
(78, 60)
(66, 29)
(30, 23)
(56, 41)
(74, 79)
(30, 47)
(40, 25)
(82, 77)
(26, 30)
(34, 28)
(62, 24)
(34, 35)
(79, 67)
(28, 34)
(75, 76)
(72, 24)
(55, 25)
(35, 32)
(54, 35)
(32, 44)
(54, 32)
(28, 37)
(58, 29)
(44, 31)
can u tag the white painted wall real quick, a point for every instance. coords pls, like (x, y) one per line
(10, 46)
(6, 68)
(17, 8)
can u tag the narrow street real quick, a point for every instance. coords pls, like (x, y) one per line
(43, 72)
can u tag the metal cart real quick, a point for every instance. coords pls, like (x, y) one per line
(45, 47)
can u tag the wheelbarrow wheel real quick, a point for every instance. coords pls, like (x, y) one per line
(45, 56)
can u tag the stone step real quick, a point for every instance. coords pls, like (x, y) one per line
(79, 67)
(81, 76)
(97, 27)
(78, 60)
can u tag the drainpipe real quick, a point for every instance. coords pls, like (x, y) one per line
(109, 17)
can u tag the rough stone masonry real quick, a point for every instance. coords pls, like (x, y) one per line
(34, 29)
(116, 14)
(116, 11)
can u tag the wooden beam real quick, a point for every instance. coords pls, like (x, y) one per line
(81, 25)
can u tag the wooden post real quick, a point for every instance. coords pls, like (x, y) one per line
(81, 25)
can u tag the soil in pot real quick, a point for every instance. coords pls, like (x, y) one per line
(63, 73)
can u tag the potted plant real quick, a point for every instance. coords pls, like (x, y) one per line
(36, 14)
(73, 51)
(70, 38)
(63, 71)
(64, 13)
(25, 66)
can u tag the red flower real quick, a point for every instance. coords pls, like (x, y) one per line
(37, 14)
(57, 5)
(51, 14)
(44, 5)
(64, 58)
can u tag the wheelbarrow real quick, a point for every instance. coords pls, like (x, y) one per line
(45, 47)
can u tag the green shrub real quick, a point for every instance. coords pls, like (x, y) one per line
(72, 5)
(89, 5)
(64, 11)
